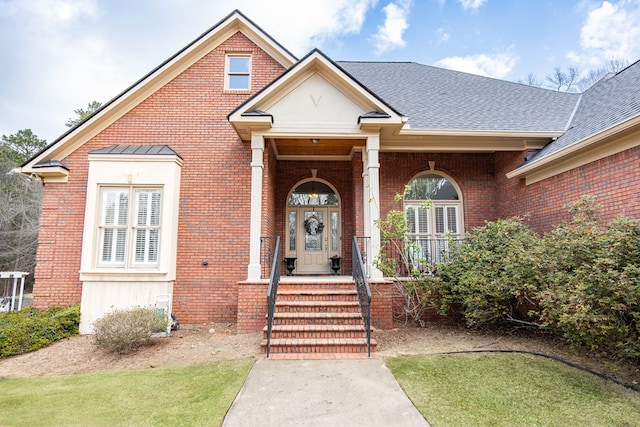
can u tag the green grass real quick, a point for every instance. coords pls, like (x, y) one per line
(190, 396)
(494, 389)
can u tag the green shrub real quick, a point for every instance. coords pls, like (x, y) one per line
(30, 329)
(593, 283)
(123, 331)
(413, 275)
(493, 275)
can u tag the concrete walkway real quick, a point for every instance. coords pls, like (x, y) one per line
(360, 392)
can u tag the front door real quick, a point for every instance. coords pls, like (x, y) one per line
(313, 232)
(313, 241)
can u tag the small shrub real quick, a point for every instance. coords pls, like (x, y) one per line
(30, 329)
(123, 331)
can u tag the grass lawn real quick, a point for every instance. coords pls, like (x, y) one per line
(194, 395)
(497, 389)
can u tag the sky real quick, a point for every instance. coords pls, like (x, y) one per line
(59, 55)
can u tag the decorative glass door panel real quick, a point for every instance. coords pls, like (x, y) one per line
(313, 231)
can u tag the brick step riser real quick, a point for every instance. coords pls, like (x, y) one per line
(315, 334)
(312, 297)
(317, 321)
(316, 309)
(328, 349)
(316, 286)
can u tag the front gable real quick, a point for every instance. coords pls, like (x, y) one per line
(315, 99)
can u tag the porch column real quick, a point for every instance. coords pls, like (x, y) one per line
(372, 202)
(257, 166)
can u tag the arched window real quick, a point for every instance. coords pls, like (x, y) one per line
(433, 208)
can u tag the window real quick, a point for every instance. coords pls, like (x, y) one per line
(433, 211)
(129, 235)
(238, 76)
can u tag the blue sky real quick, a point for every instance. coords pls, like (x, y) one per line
(59, 55)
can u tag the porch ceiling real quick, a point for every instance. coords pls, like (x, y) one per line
(324, 147)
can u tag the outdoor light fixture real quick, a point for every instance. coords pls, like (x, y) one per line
(314, 140)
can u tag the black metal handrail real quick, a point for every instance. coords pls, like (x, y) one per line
(364, 243)
(364, 292)
(272, 292)
(267, 248)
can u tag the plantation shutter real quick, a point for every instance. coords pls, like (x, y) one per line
(147, 227)
(114, 217)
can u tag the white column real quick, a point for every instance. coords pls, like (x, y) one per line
(372, 207)
(257, 166)
(366, 195)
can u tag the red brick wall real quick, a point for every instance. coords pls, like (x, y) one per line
(190, 115)
(252, 306)
(474, 174)
(615, 180)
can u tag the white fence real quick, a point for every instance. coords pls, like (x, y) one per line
(10, 282)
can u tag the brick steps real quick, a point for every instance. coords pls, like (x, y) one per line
(316, 331)
(317, 319)
(318, 345)
(317, 307)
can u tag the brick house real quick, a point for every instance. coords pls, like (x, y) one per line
(176, 185)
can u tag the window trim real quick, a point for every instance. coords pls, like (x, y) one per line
(228, 73)
(129, 262)
(431, 211)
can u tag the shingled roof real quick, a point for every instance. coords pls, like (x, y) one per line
(610, 101)
(437, 98)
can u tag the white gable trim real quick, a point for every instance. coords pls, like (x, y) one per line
(156, 79)
(247, 118)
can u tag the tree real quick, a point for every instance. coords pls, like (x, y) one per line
(19, 147)
(83, 114)
(531, 80)
(20, 199)
(612, 66)
(568, 81)
(563, 81)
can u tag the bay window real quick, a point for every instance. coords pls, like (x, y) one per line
(129, 232)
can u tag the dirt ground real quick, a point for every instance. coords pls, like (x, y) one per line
(205, 343)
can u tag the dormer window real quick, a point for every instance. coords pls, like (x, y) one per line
(238, 75)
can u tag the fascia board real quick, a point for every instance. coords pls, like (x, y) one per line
(612, 140)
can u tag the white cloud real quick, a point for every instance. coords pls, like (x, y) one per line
(389, 35)
(497, 66)
(442, 34)
(57, 11)
(472, 4)
(301, 26)
(67, 53)
(610, 31)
